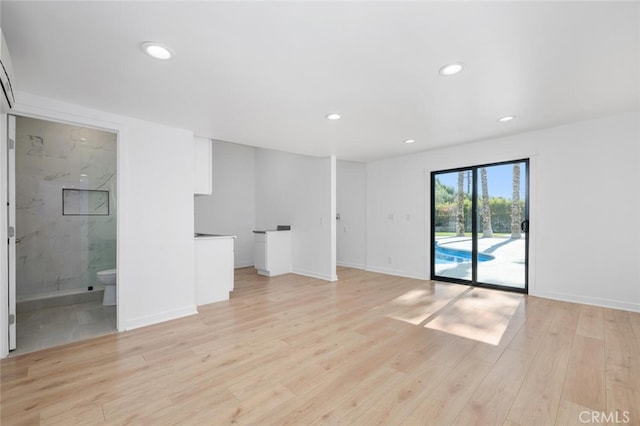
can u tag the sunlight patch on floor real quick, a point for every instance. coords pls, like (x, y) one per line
(481, 315)
(417, 305)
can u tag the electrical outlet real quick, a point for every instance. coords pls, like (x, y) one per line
(389, 260)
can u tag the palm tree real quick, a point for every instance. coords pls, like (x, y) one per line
(515, 205)
(487, 230)
(460, 205)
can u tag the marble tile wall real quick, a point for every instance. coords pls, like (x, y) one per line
(58, 254)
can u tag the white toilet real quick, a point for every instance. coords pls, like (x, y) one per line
(108, 278)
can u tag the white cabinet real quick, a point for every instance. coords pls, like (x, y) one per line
(214, 268)
(260, 251)
(272, 252)
(202, 166)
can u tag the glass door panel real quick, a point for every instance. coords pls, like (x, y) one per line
(453, 233)
(502, 208)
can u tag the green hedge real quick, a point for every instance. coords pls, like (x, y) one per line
(446, 212)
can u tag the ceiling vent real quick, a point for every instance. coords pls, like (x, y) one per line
(7, 98)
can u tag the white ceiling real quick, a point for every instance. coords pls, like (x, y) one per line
(267, 73)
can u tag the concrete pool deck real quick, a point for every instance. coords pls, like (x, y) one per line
(507, 267)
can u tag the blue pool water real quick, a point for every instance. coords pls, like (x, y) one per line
(449, 255)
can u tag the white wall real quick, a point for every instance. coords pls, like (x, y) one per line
(396, 216)
(230, 209)
(155, 211)
(296, 190)
(351, 191)
(156, 259)
(584, 242)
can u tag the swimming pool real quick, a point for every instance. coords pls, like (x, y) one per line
(450, 255)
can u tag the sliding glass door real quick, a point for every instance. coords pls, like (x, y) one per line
(479, 225)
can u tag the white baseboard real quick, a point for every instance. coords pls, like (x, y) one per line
(394, 272)
(243, 265)
(595, 301)
(160, 317)
(352, 265)
(315, 275)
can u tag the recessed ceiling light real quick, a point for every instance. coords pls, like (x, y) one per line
(410, 141)
(333, 116)
(451, 69)
(156, 50)
(506, 118)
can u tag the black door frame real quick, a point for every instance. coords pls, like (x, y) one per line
(474, 228)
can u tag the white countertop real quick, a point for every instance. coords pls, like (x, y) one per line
(198, 236)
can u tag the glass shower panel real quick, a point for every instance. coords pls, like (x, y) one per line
(62, 241)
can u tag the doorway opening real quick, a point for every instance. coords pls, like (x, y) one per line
(62, 185)
(480, 225)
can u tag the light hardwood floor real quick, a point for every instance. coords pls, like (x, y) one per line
(368, 349)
